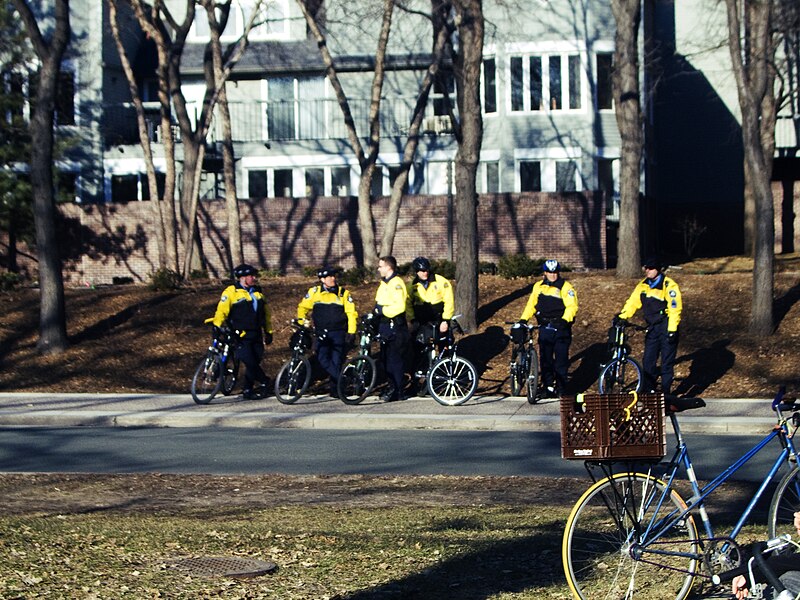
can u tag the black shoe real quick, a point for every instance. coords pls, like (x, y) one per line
(333, 391)
(251, 395)
(389, 396)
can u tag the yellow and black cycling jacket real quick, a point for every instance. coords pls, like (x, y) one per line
(550, 301)
(659, 299)
(245, 310)
(432, 300)
(392, 297)
(331, 308)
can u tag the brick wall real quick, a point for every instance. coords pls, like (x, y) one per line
(99, 242)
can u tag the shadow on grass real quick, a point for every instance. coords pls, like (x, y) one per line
(493, 569)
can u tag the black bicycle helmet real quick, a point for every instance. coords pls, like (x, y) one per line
(421, 264)
(243, 270)
(326, 271)
(551, 266)
(653, 262)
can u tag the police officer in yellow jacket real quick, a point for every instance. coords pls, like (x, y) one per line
(659, 297)
(333, 313)
(554, 303)
(432, 305)
(245, 308)
(391, 304)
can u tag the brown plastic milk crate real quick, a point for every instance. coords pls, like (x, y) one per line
(613, 426)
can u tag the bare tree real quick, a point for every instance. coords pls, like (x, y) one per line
(366, 157)
(752, 49)
(194, 138)
(52, 313)
(627, 98)
(163, 208)
(467, 60)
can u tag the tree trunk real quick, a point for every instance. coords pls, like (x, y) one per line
(752, 69)
(412, 142)
(627, 14)
(144, 138)
(52, 311)
(469, 133)
(229, 176)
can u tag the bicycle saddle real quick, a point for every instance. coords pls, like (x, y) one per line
(676, 405)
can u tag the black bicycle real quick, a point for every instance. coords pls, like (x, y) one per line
(295, 374)
(360, 372)
(524, 366)
(451, 379)
(219, 370)
(623, 373)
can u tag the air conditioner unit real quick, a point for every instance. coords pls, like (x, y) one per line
(438, 124)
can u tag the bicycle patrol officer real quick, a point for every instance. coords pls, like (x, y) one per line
(243, 305)
(659, 297)
(391, 303)
(432, 304)
(554, 303)
(334, 315)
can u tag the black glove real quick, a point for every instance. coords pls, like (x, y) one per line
(350, 339)
(378, 310)
(523, 322)
(215, 331)
(672, 337)
(617, 320)
(267, 338)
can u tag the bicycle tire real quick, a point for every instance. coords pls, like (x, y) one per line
(452, 380)
(533, 376)
(357, 379)
(785, 501)
(596, 550)
(231, 375)
(293, 379)
(516, 376)
(620, 380)
(207, 382)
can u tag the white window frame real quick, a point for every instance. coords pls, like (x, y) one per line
(547, 157)
(544, 50)
(602, 47)
(258, 32)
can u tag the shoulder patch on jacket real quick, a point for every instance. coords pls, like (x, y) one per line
(672, 293)
(399, 286)
(571, 293)
(224, 298)
(350, 299)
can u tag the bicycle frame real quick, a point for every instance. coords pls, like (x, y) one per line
(660, 524)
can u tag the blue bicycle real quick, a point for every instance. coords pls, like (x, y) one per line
(631, 535)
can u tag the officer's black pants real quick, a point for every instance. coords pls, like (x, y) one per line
(395, 348)
(331, 352)
(656, 343)
(250, 352)
(554, 356)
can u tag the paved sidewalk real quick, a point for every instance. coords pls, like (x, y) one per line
(496, 413)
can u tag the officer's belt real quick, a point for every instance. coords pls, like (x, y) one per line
(394, 321)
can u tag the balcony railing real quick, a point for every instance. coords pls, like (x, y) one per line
(263, 121)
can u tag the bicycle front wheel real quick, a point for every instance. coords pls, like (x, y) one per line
(357, 379)
(207, 379)
(533, 376)
(621, 376)
(230, 375)
(293, 379)
(452, 380)
(516, 372)
(604, 555)
(785, 502)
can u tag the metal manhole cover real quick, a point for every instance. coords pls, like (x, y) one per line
(224, 566)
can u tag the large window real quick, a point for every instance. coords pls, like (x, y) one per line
(530, 176)
(547, 80)
(605, 98)
(566, 175)
(296, 108)
(489, 80)
(444, 93)
(272, 22)
(548, 169)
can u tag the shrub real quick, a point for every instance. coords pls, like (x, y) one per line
(198, 274)
(310, 271)
(357, 276)
(269, 273)
(487, 268)
(445, 268)
(512, 266)
(121, 280)
(164, 279)
(9, 280)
